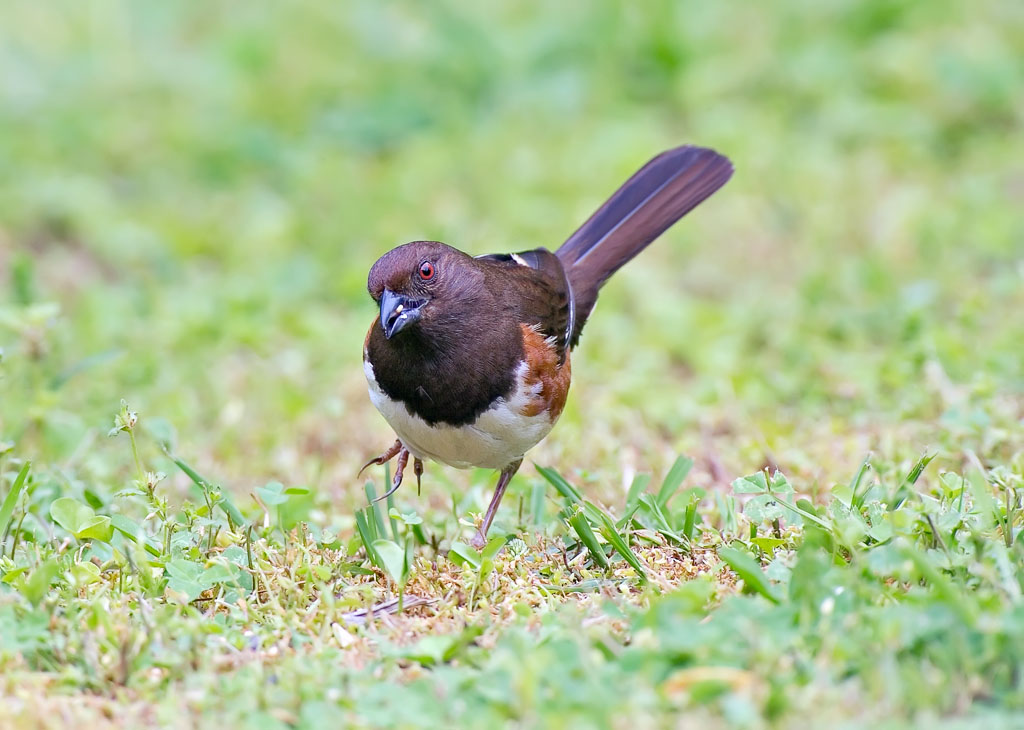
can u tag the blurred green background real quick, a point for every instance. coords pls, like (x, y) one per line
(191, 194)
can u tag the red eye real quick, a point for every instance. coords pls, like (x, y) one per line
(426, 271)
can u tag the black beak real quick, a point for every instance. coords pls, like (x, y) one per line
(397, 312)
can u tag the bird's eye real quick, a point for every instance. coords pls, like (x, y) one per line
(426, 271)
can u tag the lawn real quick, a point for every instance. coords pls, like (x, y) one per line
(786, 490)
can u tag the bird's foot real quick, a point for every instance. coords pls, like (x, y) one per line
(479, 540)
(396, 449)
(396, 480)
(383, 458)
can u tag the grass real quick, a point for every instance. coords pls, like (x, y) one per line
(191, 199)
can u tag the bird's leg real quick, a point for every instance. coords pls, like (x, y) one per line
(383, 458)
(396, 481)
(417, 469)
(480, 538)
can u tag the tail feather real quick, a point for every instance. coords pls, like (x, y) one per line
(660, 193)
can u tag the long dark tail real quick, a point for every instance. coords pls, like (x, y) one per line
(660, 193)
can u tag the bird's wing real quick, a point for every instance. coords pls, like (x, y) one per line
(536, 286)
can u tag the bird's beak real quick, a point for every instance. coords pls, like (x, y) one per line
(397, 312)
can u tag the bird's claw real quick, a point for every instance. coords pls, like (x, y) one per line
(383, 458)
(399, 450)
(396, 481)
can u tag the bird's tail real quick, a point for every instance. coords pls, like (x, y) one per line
(660, 193)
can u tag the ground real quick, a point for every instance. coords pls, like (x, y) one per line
(786, 489)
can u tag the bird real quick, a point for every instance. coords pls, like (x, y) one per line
(469, 359)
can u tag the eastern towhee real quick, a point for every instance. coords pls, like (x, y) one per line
(469, 359)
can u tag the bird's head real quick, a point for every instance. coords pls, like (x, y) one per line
(416, 283)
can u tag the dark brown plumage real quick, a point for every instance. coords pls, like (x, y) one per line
(660, 193)
(469, 359)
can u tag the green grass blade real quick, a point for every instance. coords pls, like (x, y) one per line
(392, 520)
(674, 479)
(748, 569)
(640, 482)
(627, 519)
(231, 509)
(855, 498)
(653, 518)
(581, 526)
(556, 480)
(373, 508)
(537, 510)
(367, 530)
(190, 472)
(7, 510)
(689, 519)
(234, 515)
(611, 534)
(919, 467)
(906, 490)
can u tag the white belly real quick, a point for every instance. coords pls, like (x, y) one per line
(499, 436)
